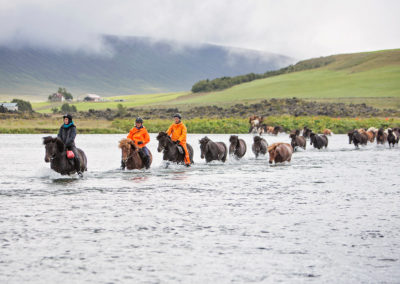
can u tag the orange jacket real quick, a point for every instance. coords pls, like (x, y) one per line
(178, 132)
(137, 135)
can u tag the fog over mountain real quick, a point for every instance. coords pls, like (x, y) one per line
(126, 65)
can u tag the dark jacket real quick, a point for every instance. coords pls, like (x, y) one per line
(67, 135)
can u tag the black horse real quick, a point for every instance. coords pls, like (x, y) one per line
(213, 150)
(277, 129)
(238, 147)
(393, 137)
(172, 151)
(56, 154)
(318, 141)
(297, 140)
(357, 138)
(260, 146)
(306, 132)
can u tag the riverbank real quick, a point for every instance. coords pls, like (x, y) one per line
(50, 125)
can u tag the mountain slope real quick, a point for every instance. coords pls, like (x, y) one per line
(370, 74)
(136, 65)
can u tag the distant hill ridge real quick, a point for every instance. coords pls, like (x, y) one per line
(138, 65)
(356, 62)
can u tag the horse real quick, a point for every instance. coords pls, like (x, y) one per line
(393, 137)
(270, 129)
(318, 141)
(260, 146)
(306, 132)
(213, 150)
(280, 152)
(238, 147)
(255, 121)
(297, 140)
(56, 154)
(327, 132)
(381, 136)
(277, 129)
(171, 151)
(357, 138)
(131, 156)
(370, 134)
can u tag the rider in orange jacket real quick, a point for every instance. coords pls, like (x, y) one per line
(178, 132)
(141, 137)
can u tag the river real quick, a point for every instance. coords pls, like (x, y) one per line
(329, 216)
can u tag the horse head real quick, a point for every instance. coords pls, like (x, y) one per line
(272, 152)
(128, 147)
(312, 137)
(257, 143)
(203, 145)
(53, 146)
(234, 140)
(163, 141)
(350, 134)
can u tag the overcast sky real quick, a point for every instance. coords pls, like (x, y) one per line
(300, 29)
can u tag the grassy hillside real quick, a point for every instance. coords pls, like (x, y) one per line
(363, 75)
(372, 78)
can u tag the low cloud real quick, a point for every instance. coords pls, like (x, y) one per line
(299, 29)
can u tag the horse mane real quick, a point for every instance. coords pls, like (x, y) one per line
(126, 143)
(204, 140)
(273, 146)
(293, 135)
(48, 139)
(257, 139)
(162, 134)
(234, 139)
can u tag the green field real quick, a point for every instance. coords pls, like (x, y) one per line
(113, 102)
(370, 77)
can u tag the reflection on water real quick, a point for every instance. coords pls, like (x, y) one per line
(330, 215)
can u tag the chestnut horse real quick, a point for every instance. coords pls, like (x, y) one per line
(238, 147)
(280, 152)
(131, 156)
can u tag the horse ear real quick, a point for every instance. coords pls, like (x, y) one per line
(60, 145)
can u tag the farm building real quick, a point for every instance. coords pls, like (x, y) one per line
(56, 97)
(10, 106)
(92, 98)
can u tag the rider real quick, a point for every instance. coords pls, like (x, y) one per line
(67, 134)
(141, 137)
(178, 132)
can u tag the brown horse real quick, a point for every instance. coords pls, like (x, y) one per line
(131, 156)
(270, 129)
(327, 132)
(280, 152)
(297, 140)
(381, 136)
(369, 134)
(255, 121)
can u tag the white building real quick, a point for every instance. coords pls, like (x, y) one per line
(92, 98)
(10, 106)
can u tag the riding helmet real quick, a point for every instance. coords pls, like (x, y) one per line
(178, 115)
(139, 119)
(68, 116)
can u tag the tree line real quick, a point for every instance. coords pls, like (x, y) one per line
(222, 83)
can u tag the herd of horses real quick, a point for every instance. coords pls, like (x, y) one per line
(218, 151)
